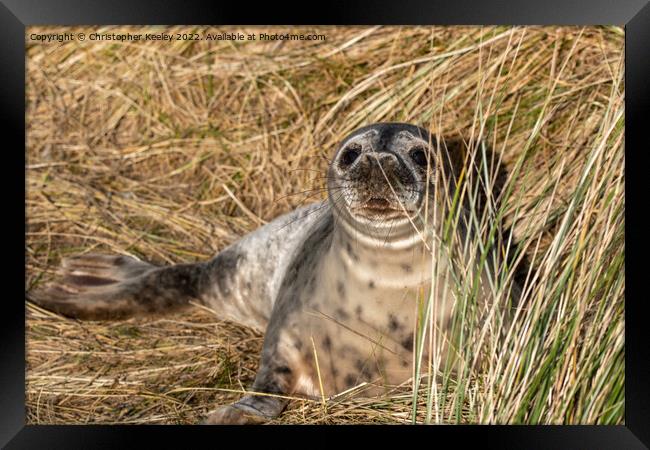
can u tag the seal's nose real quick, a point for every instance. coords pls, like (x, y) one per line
(383, 163)
(382, 169)
(386, 160)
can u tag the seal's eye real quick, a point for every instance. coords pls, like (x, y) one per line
(350, 155)
(419, 156)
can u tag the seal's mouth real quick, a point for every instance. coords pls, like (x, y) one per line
(378, 207)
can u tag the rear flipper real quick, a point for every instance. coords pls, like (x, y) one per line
(99, 287)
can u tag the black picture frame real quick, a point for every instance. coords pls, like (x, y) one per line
(15, 15)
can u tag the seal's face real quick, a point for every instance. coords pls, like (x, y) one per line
(379, 175)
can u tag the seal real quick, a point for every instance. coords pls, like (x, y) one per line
(333, 285)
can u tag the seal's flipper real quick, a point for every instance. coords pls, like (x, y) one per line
(273, 382)
(97, 287)
(251, 409)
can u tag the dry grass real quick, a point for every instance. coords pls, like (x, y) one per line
(171, 151)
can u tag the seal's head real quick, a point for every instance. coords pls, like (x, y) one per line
(382, 175)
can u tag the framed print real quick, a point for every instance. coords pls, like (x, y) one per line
(410, 215)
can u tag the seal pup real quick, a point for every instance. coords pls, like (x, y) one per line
(333, 285)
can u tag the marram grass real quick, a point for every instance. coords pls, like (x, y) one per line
(170, 152)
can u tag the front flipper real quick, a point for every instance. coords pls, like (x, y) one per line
(275, 380)
(250, 410)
